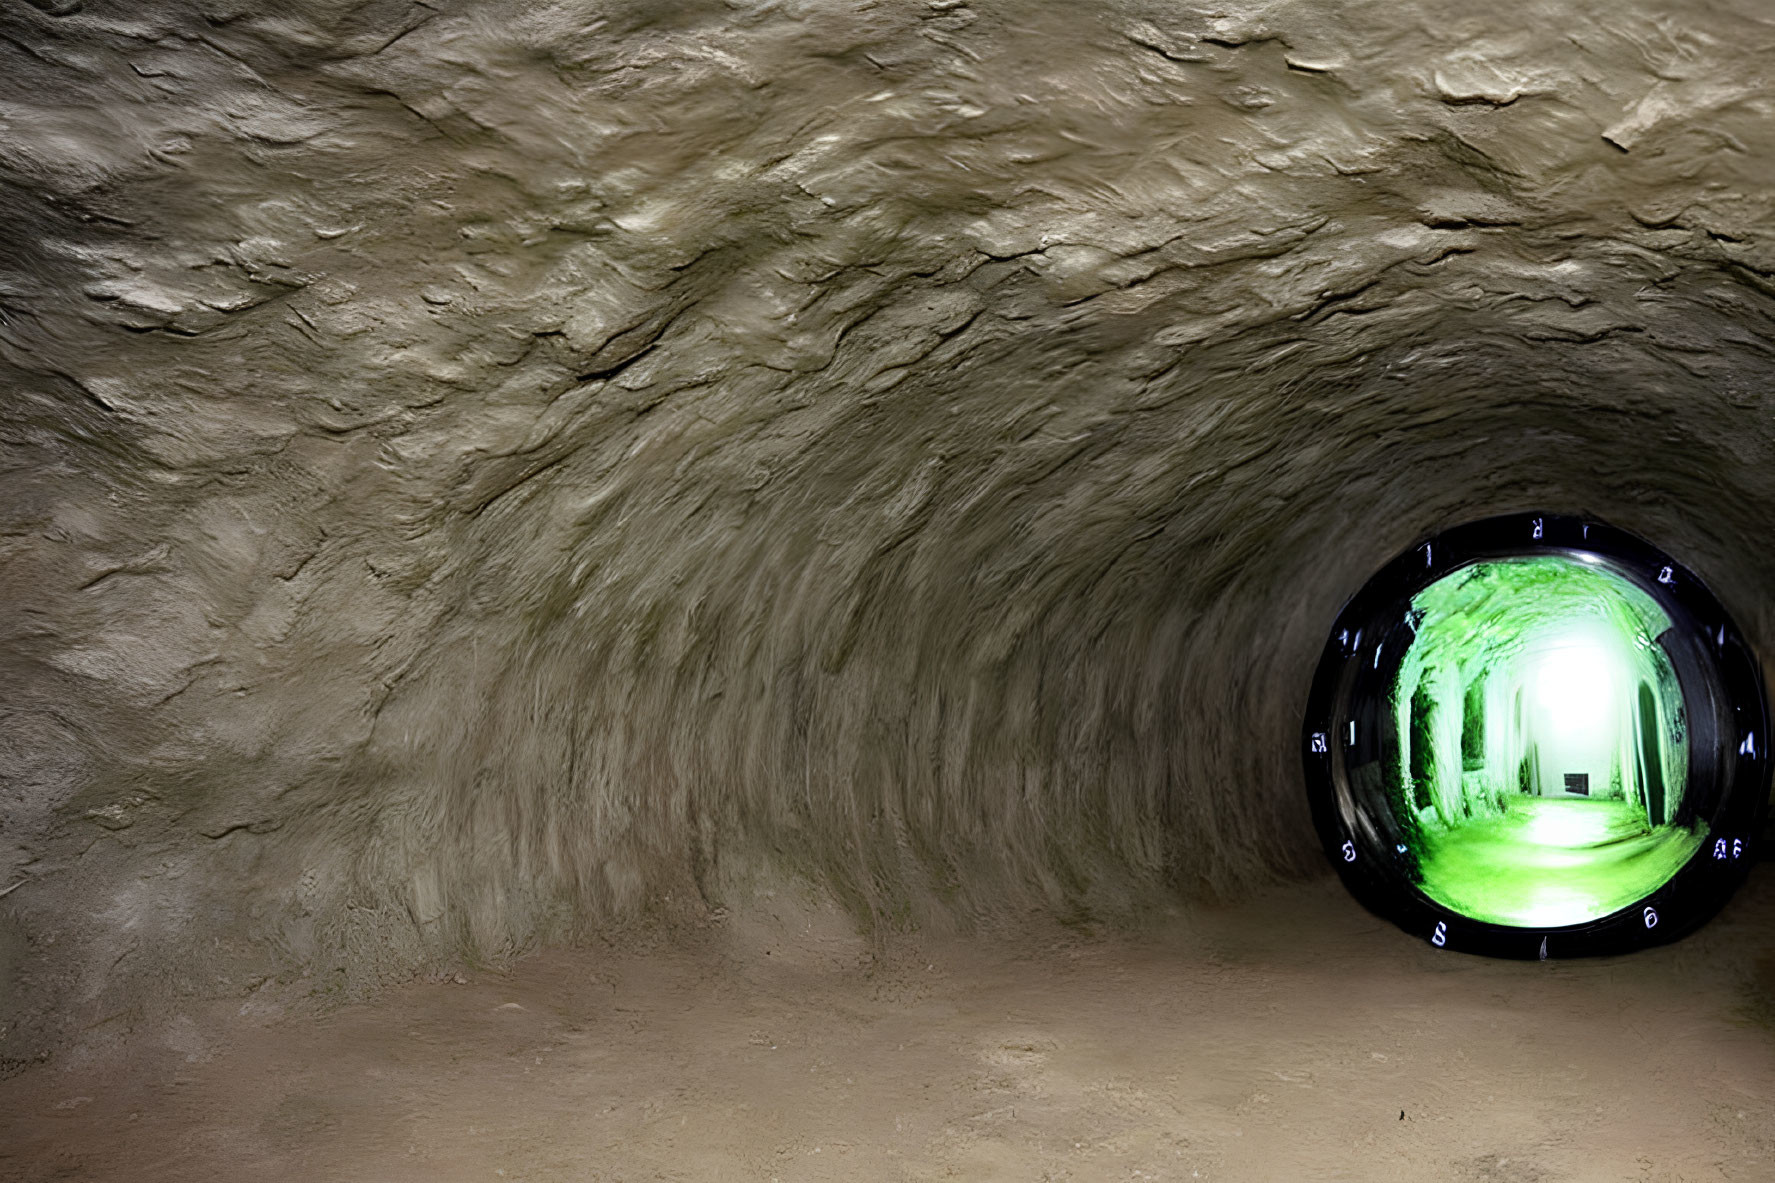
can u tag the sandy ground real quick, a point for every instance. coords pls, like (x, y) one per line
(1291, 1037)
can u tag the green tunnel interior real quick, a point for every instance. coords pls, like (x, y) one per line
(1542, 746)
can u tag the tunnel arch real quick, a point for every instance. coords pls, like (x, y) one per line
(470, 485)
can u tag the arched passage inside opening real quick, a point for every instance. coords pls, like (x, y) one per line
(1545, 728)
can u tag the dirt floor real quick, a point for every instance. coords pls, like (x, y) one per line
(1293, 1037)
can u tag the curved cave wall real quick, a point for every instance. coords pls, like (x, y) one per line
(478, 473)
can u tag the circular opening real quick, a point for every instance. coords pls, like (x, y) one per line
(1537, 731)
(1537, 716)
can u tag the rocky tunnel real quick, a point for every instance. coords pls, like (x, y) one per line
(482, 477)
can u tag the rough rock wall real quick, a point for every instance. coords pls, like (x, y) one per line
(471, 470)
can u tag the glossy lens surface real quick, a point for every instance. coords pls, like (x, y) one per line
(1541, 743)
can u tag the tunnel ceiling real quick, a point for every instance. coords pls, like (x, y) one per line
(477, 472)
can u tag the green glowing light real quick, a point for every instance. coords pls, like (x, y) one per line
(1540, 748)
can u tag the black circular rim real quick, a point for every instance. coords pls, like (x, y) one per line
(1357, 833)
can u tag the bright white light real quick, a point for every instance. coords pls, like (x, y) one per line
(1571, 824)
(1575, 684)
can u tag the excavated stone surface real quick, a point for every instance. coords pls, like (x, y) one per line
(472, 471)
